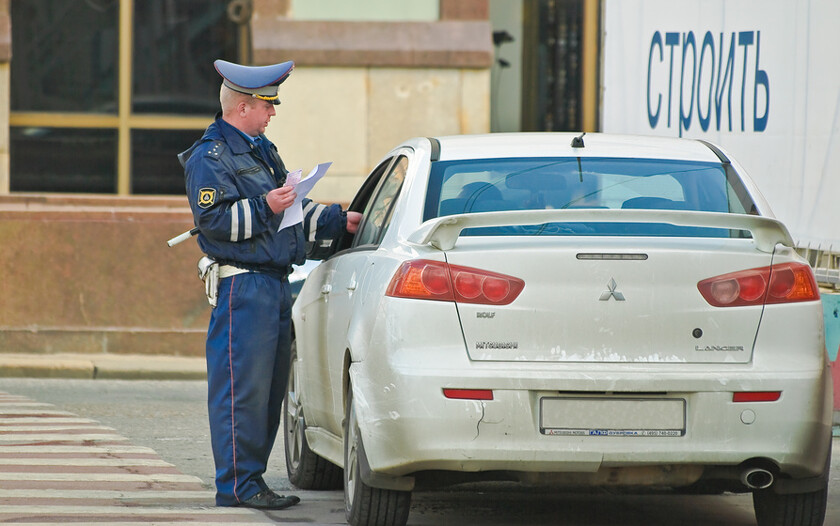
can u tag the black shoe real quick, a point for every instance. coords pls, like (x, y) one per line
(268, 500)
(292, 498)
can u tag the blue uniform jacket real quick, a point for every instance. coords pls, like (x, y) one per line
(227, 177)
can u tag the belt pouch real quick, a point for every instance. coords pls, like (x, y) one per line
(208, 271)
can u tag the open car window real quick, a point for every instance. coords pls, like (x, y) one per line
(377, 213)
(361, 201)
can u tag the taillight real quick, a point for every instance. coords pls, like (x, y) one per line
(782, 283)
(437, 280)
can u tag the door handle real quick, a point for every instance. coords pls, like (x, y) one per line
(326, 288)
(352, 284)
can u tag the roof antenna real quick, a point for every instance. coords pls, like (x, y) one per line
(577, 142)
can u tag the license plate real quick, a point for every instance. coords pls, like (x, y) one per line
(624, 417)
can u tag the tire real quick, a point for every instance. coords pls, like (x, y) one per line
(795, 509)
(364, 505)
(798, 509)
(305, 469)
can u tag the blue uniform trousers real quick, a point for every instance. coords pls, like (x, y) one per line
(248, 346)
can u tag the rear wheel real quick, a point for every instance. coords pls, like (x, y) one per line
(795, 509)
(364, 505)
(306, 470)
(798, 509)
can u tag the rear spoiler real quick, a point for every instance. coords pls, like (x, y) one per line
(443, 232)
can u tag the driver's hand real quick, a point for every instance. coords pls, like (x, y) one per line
(353, 220)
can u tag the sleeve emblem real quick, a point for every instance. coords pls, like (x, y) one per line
(206, 197)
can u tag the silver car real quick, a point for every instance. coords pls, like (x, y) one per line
(561, 310)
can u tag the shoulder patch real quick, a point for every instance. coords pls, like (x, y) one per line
(215, 150)
(206, 197)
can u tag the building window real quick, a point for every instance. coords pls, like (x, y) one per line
(64, 56)
(104, 93)
(175, 44)
(48, 159)
(154, 164)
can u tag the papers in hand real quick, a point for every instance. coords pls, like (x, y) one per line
(303, 185)
(293, 178)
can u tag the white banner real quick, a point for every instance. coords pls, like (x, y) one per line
(759, 77)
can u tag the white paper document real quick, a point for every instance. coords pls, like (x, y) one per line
(294, 214)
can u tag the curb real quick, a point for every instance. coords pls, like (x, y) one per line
(102, 366)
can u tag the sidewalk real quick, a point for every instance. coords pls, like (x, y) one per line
(102, 366)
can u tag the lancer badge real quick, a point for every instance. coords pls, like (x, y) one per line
(611, 292)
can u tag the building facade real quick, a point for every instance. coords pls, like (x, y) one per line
(119, 87)
(97, 97)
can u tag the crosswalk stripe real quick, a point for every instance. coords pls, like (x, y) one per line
(43, 421)
(167, 523)
(22, 411)
(28, 509)
(98, 477)
(85, 462)
(19, 429)
(110, 494)
(62, 437)
(101, 449)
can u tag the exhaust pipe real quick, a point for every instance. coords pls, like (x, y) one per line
(757, 478)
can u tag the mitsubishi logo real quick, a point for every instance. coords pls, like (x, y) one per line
(611, 292)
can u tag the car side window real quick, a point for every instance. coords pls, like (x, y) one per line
(361, 201)
(377, 214)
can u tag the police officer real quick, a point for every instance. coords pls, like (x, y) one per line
(234, 182)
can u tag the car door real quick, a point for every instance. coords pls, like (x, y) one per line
(343, 277)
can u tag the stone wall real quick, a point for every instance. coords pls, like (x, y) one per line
(354, 116)
(94, 274)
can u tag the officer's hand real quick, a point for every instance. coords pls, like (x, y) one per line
(353, 220)
(281, 198)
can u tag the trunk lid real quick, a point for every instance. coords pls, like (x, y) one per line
(609, 300)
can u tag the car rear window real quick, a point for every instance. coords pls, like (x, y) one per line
(485, 185)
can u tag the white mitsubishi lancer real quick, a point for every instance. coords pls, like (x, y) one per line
(561, 310)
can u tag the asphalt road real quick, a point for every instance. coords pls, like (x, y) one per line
(171, 418)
